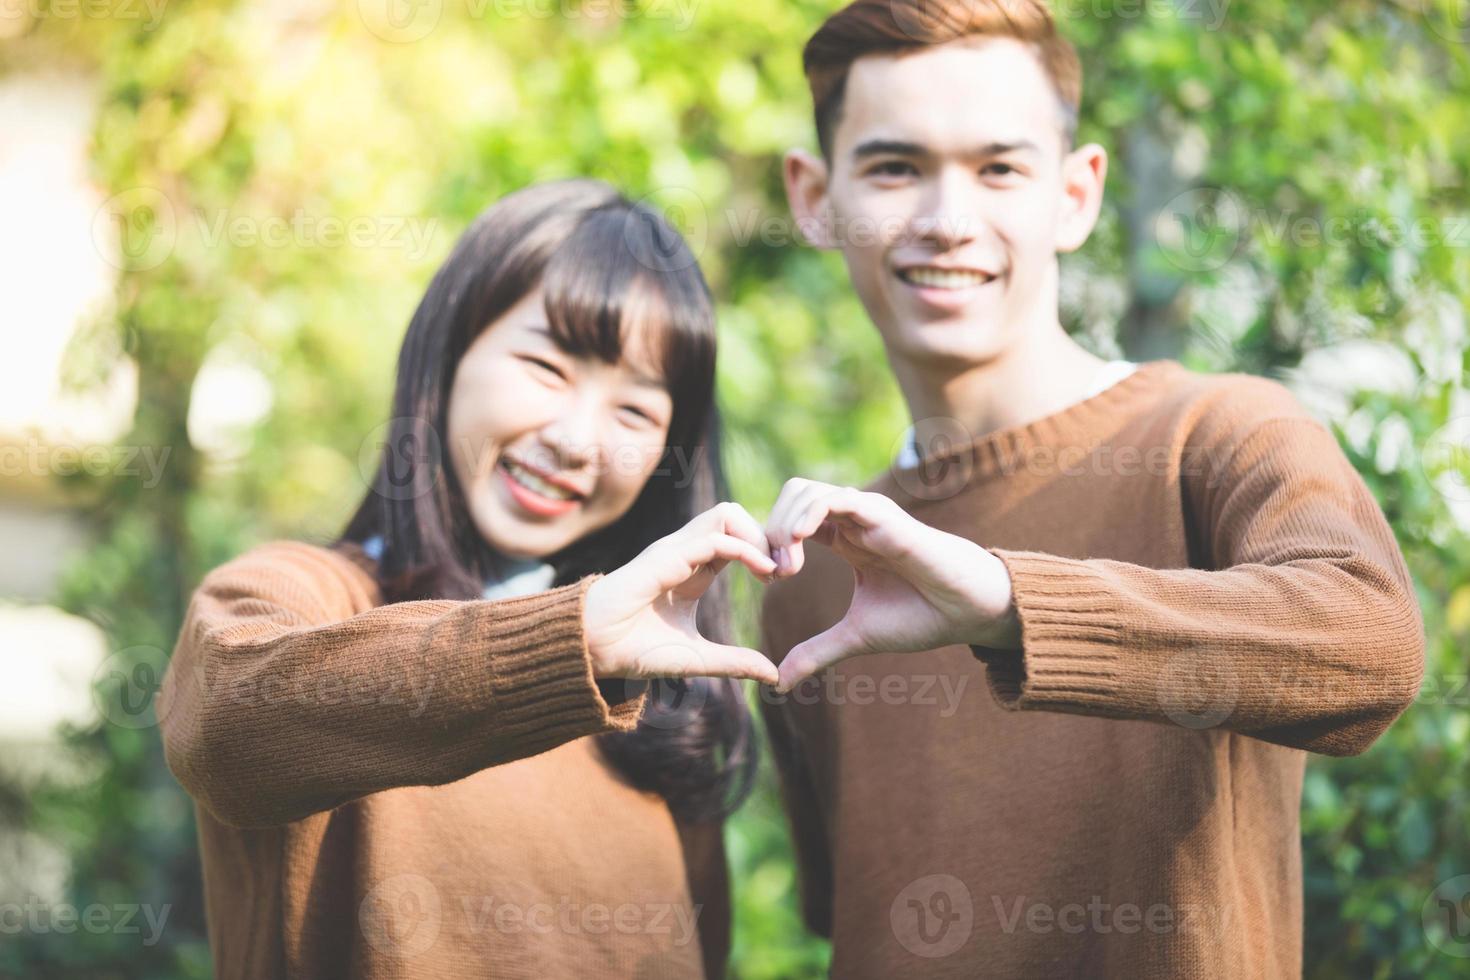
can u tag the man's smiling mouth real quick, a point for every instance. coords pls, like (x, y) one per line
(936, 277)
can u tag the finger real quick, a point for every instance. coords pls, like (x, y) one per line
(818, 653)
(725, 517)
(729, 518)
(785, 547)
(862, 508)
(735, 520)
(699, 657)
(673, 561)
(721, 660)
(826, 532)
(790, 491)
(713, 568)
(724, 548)
(844, 506)
(803, 520)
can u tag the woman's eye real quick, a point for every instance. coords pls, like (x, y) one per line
(545, 365)
(639, 415)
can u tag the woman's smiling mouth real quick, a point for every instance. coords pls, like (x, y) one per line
(537, 492)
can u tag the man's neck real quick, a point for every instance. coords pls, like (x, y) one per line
(1029, 380)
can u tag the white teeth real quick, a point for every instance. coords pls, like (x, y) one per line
(944, 278)
(534, 483)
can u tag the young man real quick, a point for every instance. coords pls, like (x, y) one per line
(1100, 631)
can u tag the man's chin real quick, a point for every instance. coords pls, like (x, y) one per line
(965, 340)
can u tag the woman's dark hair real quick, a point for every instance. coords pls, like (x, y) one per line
(593, 252)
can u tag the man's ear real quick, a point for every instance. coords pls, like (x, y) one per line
(1084, 172)
(806, 193)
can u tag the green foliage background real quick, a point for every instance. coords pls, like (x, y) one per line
(1290, 111)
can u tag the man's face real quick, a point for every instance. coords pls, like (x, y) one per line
(949, 192)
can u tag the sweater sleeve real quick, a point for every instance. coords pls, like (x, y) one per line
(286, 697)
(1303, 630)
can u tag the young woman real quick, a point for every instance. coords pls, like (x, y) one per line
(427, 749)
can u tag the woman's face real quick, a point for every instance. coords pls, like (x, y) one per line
(547, 447)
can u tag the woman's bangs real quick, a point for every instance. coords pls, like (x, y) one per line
(599, 284)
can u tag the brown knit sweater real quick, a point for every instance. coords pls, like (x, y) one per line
(1207, 591)
(411, 789)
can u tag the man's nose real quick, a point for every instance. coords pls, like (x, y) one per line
(949, 215)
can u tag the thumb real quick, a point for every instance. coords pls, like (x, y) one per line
(719, 660)
(821, 651)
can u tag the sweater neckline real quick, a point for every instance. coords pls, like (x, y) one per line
(997, 450)
(1110, 374)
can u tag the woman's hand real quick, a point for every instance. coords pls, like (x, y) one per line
(639, 620)
(916, 587)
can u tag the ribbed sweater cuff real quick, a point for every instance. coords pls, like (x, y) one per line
(541, 688)
(1071, 637)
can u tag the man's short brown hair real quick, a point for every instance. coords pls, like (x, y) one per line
(896, 26)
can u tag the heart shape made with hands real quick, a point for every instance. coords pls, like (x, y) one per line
(915, 588)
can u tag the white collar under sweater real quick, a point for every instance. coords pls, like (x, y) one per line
(524, 576)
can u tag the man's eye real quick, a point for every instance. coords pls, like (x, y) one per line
(892, 168)
(999, 169)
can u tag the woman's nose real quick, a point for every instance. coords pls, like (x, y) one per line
(572, 438)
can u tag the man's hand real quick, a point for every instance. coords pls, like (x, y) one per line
(916, 587)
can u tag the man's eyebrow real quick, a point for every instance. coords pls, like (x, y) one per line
(899, 148)
(905, 148)
(642, 378)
